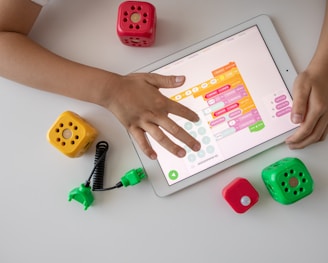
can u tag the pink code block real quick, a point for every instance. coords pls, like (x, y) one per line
(240, 195)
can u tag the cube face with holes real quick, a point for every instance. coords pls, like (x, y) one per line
(136, 23)
(240, 195)
(71, 134)
(288, 180)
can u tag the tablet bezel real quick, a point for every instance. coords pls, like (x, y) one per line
(287, 72)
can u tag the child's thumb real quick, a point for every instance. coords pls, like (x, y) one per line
(300, 100)
(161, 81)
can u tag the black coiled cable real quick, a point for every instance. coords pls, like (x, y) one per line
(99, 171)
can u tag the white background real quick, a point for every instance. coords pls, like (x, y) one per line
(38, 224)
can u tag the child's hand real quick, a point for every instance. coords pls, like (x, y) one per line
(310, 107)
(140, 107)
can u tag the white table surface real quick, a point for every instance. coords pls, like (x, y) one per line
(38, 224)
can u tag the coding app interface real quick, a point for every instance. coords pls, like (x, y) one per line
(236, 89)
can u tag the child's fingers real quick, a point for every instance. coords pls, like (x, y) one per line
(301, 93)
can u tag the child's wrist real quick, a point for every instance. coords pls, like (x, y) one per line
(107, 91)
(318, 65)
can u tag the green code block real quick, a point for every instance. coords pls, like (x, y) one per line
(257, 126)
(288, 180)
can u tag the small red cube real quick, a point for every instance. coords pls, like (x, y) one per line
(240, 195)
(136, 23)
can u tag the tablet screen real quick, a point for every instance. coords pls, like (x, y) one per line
(239, 95)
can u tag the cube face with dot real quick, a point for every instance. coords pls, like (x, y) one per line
(288, 180)
(136, 23)
(240, 195)
(71, 134)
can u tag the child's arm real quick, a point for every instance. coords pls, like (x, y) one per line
(134, 99)
(310, 93)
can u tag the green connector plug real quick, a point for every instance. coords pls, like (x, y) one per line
(83, 195)
(133, 177)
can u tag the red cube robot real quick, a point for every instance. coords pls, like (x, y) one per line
(136, 23)
(240, 195)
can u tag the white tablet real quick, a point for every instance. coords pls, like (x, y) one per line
(239, 83)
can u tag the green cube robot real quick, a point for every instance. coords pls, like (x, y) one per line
(288, 180)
